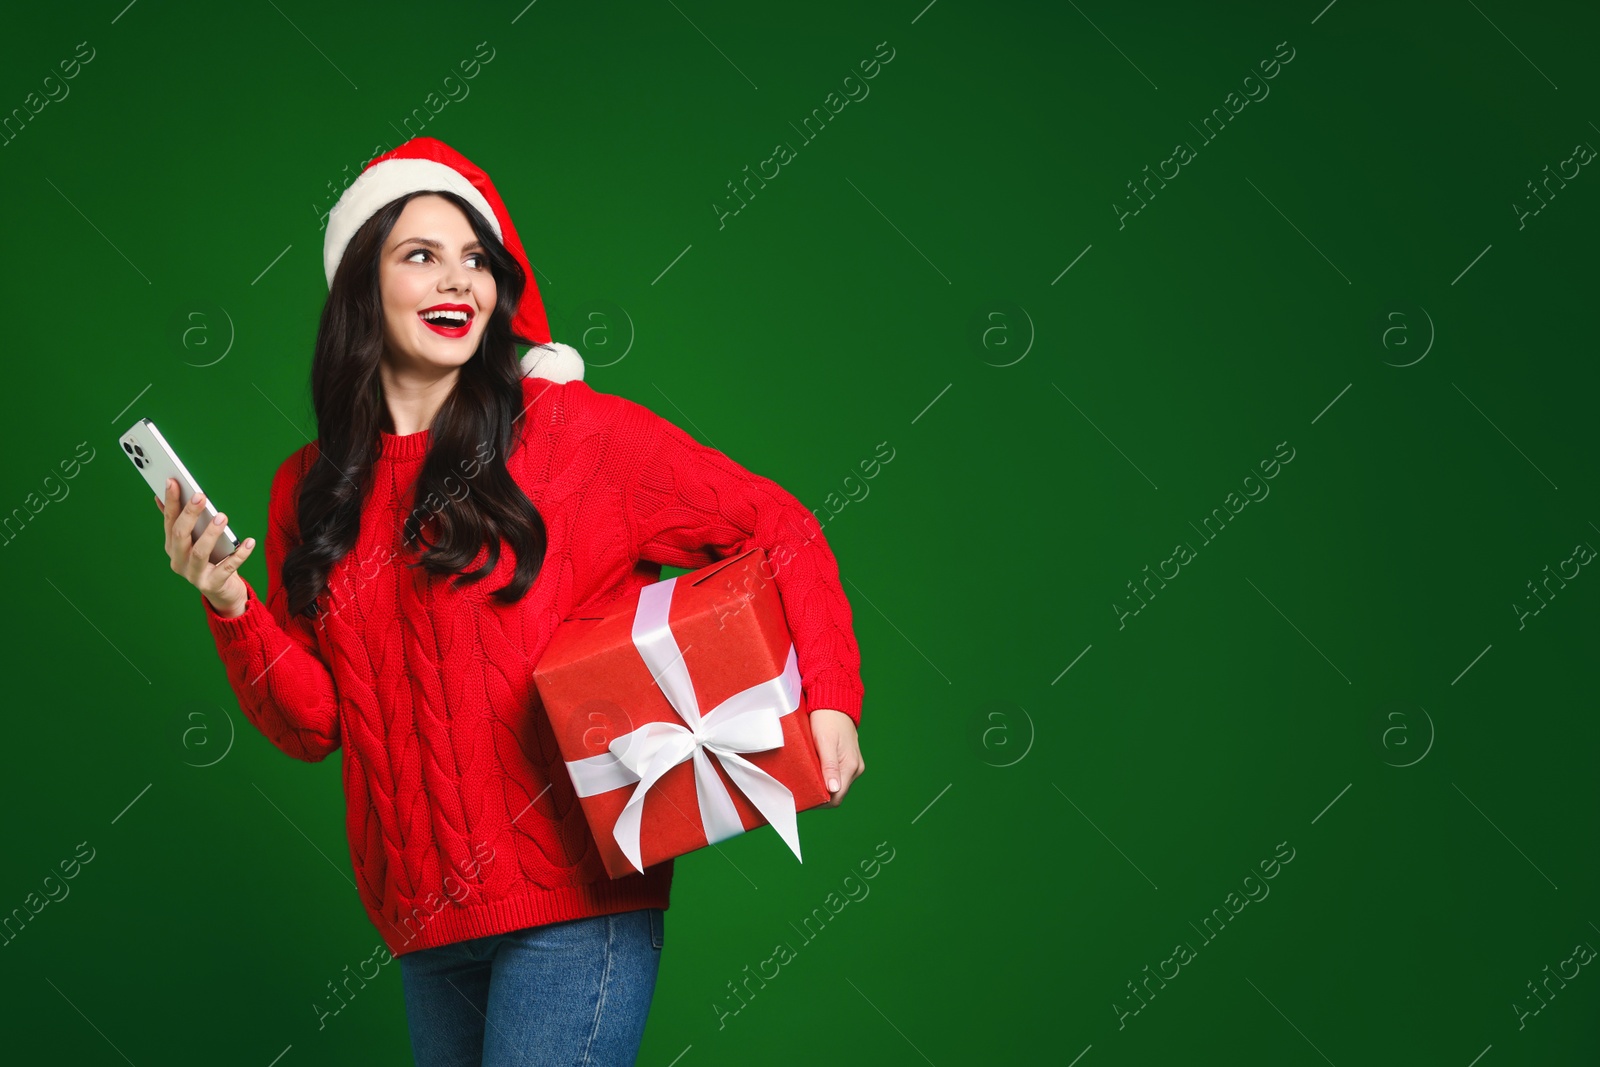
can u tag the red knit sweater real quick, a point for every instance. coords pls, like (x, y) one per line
(462, 820)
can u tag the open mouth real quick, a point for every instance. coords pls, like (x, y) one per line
(446, 322)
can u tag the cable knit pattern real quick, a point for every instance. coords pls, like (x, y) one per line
(461, 818)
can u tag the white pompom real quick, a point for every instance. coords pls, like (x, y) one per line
(553, 361)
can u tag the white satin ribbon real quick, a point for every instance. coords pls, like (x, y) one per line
(748, 721)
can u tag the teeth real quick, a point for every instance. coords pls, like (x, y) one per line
(447, 318)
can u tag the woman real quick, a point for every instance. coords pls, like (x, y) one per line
(396, 628)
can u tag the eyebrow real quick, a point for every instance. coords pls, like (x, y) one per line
(436, 246)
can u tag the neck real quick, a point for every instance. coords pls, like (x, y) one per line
(413, 400)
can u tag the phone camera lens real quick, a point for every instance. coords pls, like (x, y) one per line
(137, 462)
(138, 450)
(127, 447)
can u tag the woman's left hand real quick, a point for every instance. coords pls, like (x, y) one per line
(835, 734)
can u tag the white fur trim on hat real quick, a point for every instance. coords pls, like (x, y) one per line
(383, 182)
(554, 361)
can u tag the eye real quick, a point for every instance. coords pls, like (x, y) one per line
(482, 260)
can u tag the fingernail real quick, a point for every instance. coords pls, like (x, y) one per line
(833, 785)
(196, 498)
(219, 520)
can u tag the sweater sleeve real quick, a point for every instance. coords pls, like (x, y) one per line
(282, 684)
(689, 505)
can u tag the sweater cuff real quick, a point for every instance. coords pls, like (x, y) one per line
(837, 694)
(250, 621)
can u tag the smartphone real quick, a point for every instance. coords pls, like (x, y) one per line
(156, 460)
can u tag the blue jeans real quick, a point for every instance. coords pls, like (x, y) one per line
(566, 993)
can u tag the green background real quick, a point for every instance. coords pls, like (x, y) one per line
(1341, 671)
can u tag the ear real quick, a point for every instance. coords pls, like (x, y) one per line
(554, 361)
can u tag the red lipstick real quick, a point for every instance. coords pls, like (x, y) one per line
(448, 325)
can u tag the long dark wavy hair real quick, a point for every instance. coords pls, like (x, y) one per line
(477, 417)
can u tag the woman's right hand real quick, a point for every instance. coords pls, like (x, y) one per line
(219, 582)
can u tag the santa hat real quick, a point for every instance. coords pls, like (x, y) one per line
(424, 164)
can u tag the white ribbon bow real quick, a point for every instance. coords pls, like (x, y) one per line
(748, 721)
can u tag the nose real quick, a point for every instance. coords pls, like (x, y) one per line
(455, 278)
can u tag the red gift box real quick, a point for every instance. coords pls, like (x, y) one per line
(681, 717)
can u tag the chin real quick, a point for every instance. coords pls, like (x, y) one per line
(448, 362)
(447, 354)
